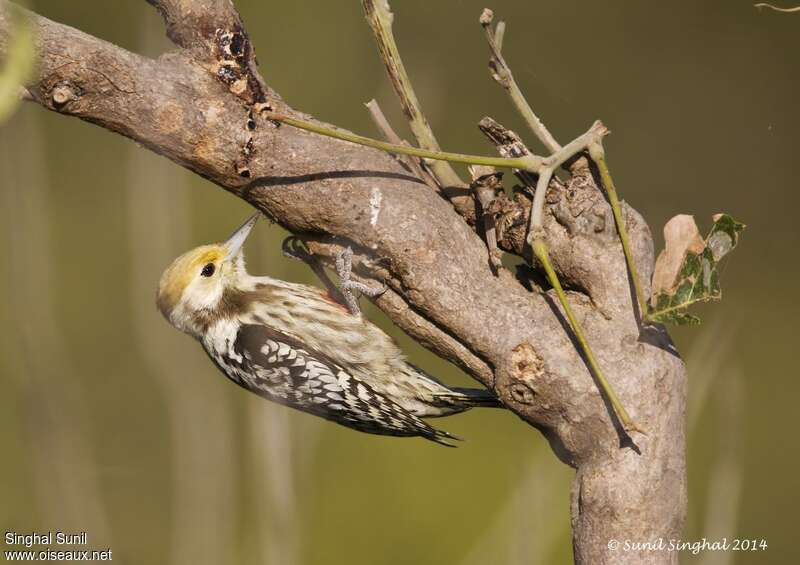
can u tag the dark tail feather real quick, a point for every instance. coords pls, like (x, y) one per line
(461, 399)
(441, 437)
(476, 397)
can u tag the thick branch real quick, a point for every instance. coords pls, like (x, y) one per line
(212, 31)
(192, 24)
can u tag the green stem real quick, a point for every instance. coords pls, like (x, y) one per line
(598, 155)
(540, 250)
(529, 163)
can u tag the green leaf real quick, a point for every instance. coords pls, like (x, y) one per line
(687, 270)
(19, 63)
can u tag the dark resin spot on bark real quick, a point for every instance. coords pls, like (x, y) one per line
(228, 75)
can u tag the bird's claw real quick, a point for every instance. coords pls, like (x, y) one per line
(344, 269)
(294, 248)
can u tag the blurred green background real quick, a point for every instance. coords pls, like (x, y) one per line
(114, 423)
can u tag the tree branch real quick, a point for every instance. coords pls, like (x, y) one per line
(380, 19)
(205, 107)
(192, 24)
(211, 31)
(502, 74)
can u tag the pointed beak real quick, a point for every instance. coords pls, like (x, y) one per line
(236, 241)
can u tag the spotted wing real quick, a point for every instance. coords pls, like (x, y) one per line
(279, 368)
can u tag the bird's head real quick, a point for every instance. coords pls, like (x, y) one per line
(197, 285)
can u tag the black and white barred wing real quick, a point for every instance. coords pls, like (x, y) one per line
(281, 369)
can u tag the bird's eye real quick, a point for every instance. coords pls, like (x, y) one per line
(208, 270)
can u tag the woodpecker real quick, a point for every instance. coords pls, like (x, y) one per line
(295, 345)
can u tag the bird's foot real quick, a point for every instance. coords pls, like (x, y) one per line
(344, 268)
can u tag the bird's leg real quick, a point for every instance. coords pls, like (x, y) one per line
(344, 268)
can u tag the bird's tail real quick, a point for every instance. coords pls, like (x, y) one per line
(441, 437)
(443, 400)
(477, 397)
(460, 399)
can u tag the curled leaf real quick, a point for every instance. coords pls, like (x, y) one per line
(686, 271)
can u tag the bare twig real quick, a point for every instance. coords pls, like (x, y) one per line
(540, 249)
(485, 184)
(380, 19)
(501, 73)
(383, 125)
(510, 146)
(771, 7)
(499, 34)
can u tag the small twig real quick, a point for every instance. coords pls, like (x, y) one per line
(499, 35)
(485, 183)
(771, 7)
(414, 165)
(501, 73)
(598, 155)
(509, 145)
(530, 162)
(380, 19)
(383, 124)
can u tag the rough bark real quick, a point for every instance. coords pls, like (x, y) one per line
(201, 107)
